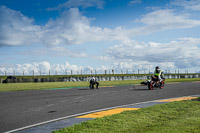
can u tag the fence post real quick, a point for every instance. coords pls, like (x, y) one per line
(5, 73)
(113, 72)
(49, 72)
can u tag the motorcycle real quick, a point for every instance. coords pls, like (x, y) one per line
(155, 83)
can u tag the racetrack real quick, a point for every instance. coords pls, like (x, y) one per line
(23, 108)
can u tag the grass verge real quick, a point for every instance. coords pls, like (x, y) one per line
(48, 85)
(175, 117)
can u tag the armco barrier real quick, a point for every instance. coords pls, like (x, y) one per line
(87, 78)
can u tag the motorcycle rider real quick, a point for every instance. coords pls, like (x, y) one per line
(158, 74)
(93, 81)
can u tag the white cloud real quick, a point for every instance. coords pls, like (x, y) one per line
(15, 28)
(182, 53)
(160, 20)
(79, 3)
(39, 67)
(141, 66)
(188, 4)
(72, 27)
(44, 67)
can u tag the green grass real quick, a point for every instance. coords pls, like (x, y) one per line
(182, 80)
(48, 85)
(38, 86)
(175, 117)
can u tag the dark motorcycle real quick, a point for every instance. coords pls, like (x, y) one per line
(155, 83)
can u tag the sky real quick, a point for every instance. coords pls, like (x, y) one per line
(85, 36)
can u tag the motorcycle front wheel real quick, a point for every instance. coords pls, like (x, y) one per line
(150, 85)
(162, 84)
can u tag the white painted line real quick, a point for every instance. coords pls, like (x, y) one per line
(75, 115)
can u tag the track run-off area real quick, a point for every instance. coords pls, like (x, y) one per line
(23, 108)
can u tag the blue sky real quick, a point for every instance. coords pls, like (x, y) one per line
(88, 35)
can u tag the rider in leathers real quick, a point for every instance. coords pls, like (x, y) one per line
(158, 74)
(93, 81)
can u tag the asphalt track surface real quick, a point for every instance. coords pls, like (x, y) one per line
(23, 108)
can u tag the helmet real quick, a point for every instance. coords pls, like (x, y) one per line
(157, 67)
